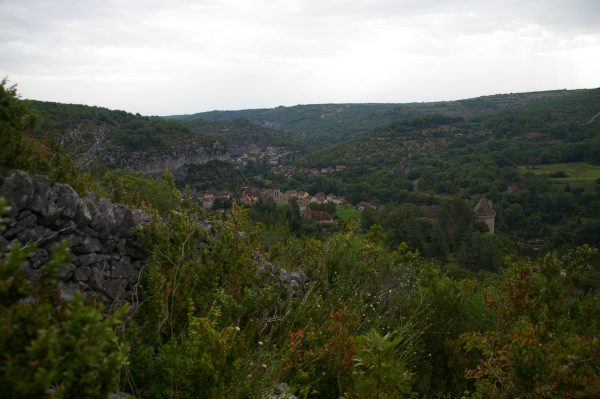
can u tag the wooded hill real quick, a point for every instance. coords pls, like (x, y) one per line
(117, 138)
(557, 130)
(428, 159)
(525, 134)
(241, 131)
(321, 125)
(118, 128)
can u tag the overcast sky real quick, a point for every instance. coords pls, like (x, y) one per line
(185, 56)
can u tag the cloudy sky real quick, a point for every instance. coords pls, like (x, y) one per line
(185, 56)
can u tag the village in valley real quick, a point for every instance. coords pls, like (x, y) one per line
(253, 195)
(218, 200)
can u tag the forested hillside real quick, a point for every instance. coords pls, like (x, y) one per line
(119, 128)
(103, 139)
(326, 124)
(241, 131)
(535, 128)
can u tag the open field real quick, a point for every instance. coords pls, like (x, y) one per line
(578, 172)
(345, 213)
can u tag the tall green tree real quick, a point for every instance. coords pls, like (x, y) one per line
(17, 149)
(407, 224)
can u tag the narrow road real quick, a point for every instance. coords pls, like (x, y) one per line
(591, 120)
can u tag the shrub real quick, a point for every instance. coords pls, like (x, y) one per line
(48, 345)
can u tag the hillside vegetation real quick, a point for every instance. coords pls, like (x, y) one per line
(326, 124)
(118, 128)
(437, 160)
(241, 131)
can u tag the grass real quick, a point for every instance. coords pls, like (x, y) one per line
(344, 213)
(578, 172)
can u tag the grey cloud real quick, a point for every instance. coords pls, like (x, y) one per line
(296, 43)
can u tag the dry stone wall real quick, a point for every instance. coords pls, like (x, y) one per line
(106, 258)
(107, 261)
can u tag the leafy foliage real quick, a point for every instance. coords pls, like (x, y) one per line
(377, 374)
(544, 342)
(49, 345)
(17, 149)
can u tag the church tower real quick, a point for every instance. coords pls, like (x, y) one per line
(485, 213)
(276, 193)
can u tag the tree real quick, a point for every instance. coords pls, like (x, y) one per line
(438, 247)
(407, 224)
(17, 149)
(479, 251)
(368, 217)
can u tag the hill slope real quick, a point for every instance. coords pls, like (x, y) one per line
(120, 139)
(526, 129)
(324, 124)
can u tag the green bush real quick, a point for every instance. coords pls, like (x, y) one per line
(48, 345)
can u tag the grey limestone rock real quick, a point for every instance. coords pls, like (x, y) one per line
(38, 258)
(105, 257)
(82, 273)
(83, 217)
(17, 187)
(96, 278)
(140, 217)
(67, 227)
(41, 188)
(121, 269)
(38, 234)
(92, 259)
(114, 288)
(63, 202)
(124, 221)
(21, 225)
(87, 245)
(66, 271)
(284, 276)
(281, 391)
(299, 277)
(67, 290)
(104, 219)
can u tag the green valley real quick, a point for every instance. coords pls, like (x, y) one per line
(439, 250)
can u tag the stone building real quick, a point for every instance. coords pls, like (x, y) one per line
(485, 213)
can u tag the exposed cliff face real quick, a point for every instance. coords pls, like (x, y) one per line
(171, 158)
(247, 147)
(95, 144)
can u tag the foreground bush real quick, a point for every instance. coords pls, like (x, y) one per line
(48, 345)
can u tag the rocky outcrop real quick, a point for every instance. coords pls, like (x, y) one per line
(294, 284)
(94, 145)
(106, 259)
(155, 164)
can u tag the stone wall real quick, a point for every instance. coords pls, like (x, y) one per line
(106, 261)
(106, 258)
